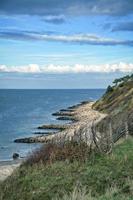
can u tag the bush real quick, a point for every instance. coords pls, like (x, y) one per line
(50, 153)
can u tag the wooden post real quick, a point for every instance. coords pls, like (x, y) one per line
(111, 134)
(97, 144)
(110, 145)
(126, 130)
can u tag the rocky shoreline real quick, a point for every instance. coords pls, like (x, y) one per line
(80, 117)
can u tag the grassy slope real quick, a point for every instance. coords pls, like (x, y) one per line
(118, 104)
(118, 100)
(98, 174)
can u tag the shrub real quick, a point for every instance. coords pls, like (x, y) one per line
(50, 153)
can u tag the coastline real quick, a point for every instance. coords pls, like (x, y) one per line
(81, 116)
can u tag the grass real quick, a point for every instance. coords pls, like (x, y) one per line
(119, 97)
(102, 177)
(81, 194)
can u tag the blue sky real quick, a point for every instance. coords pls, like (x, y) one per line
(65, 44)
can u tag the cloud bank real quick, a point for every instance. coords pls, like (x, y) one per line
(66, 7)
(77, 68)
(74, 39)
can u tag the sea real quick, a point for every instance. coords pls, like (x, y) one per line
(22, 111)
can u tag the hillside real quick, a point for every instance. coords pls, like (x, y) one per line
(117, 102)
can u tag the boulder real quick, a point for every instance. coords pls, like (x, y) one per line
(15, 156)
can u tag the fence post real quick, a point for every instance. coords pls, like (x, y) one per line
(126, 130)
(110, 138)
(111, 134)
(94, 132)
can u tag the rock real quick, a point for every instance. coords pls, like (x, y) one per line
(74, 107)
(45, 133)
(66, 110)
(67, 118)
(26, 140)
(15, 156)
(67, 113)
(84, 102)
(54, 126)
(37, 139)
(78, 105)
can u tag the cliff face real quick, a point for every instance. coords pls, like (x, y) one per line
(117, 102)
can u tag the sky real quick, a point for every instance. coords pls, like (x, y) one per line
(49, 44)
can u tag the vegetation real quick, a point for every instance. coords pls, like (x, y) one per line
(117, 102)
(102, 177)
(109, 89)
(123, 79)
(117, 95)
(81, 194)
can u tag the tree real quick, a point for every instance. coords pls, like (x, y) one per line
(109, 89)
(118, 80)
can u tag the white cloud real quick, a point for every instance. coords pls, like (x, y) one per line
(81, 39)
(77, 68)
(31, 68)
(86, 39)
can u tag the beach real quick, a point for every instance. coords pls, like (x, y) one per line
(7, 168)
(82, 117)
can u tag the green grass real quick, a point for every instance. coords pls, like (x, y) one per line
(104, 177)
(81, 194)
